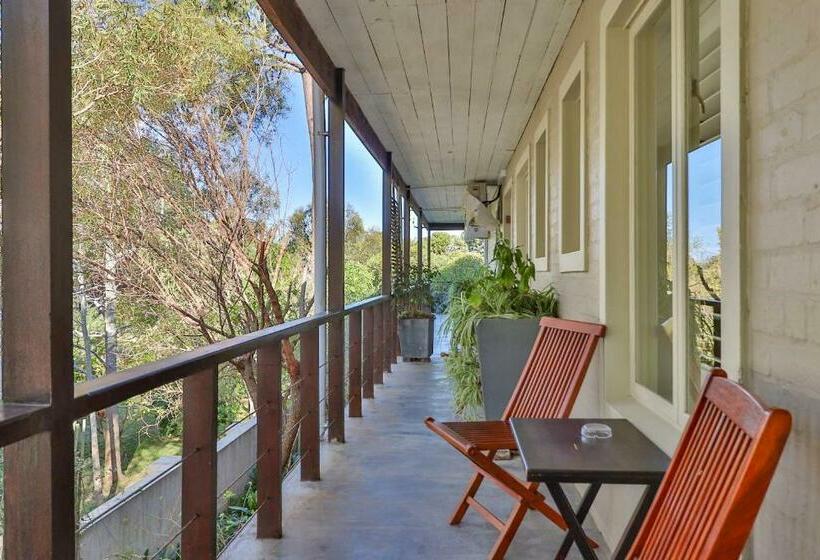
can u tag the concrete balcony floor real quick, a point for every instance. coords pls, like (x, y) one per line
(388, 492)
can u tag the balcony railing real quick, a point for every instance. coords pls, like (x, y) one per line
(371, 348)
(708, 331)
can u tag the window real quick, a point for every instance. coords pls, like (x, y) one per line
(676, 190)
(704, 190)
(522, 206)
(506, 211)
(540, 197)
(573, 165)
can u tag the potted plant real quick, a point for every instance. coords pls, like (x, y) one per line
(492, 321)
(414, 302)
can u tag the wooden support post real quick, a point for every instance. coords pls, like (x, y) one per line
(199, 402)
(309, 397)
(378, 345)
(419, 243)
(37, 274)
(387, 279)
(354, 360)
(406, 235)
(387, 197)
(335, 261)
(367, 353)
(429, 244)
(269, 441)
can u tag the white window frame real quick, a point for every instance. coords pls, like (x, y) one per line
(575, 261)
(518, 190)
(661, 421)
(541, 263)
(643, 394)
(507, 207)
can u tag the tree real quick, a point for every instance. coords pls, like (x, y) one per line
(175, 197)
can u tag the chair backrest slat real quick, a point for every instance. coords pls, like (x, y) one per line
(555, 369)
(711, 494)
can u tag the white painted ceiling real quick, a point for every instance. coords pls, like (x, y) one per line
(448, 85)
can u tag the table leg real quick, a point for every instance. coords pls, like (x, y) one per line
(635, 523)
(583, 510)
(576, 532)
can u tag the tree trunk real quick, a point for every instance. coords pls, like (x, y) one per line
(96, 469)
(110, 316)
(110, 480)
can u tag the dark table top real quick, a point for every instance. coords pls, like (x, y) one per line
(554, 451)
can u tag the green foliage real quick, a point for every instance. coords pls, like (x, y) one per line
(360, 281)
(503, 292)
(363, 258)
(453, 271)
(414, 295)
(239, 510)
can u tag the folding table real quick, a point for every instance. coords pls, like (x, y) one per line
(554, 452)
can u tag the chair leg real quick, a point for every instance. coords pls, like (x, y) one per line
(472, 488)
(508, 533)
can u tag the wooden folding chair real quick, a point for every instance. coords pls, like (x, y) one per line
(709, 498)
(547, 388)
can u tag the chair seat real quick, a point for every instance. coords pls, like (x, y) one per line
(485, 435)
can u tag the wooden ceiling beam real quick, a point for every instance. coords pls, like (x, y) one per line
(288, 19)
(447, 226)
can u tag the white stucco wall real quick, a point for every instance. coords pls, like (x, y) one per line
(782, 271)
(780, 205)
(579, 291)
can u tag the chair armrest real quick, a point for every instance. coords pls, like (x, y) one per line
(451, 437)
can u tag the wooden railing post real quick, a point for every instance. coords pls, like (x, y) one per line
(378, 345)
(336, 381)
(395, 333)
(367, 353)
(309, 400)
(198, 522)
(393, 347)
(354, 360)
(387, 340)
(269, 441)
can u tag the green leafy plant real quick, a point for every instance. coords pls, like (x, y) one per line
(504, 291)
(414, 294)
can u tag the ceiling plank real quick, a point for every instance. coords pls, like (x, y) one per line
(461, 26)
(516, 114)
(448, 86)
(433, 20)
(349, 19)
(407, 28)
(526, 92)
(488, 15)
(514, 29)
(378, 21)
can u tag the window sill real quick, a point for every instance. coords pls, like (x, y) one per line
(658, 429)
(573, 262)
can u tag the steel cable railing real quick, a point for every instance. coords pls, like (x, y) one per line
(278, 396)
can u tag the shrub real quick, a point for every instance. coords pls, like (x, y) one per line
(505, 291)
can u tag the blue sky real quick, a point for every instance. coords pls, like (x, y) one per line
(363, 176)
(704, 200)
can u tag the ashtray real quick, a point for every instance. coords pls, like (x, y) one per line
(596, 431)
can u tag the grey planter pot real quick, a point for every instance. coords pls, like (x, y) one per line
(416, 338)
(503, 348)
